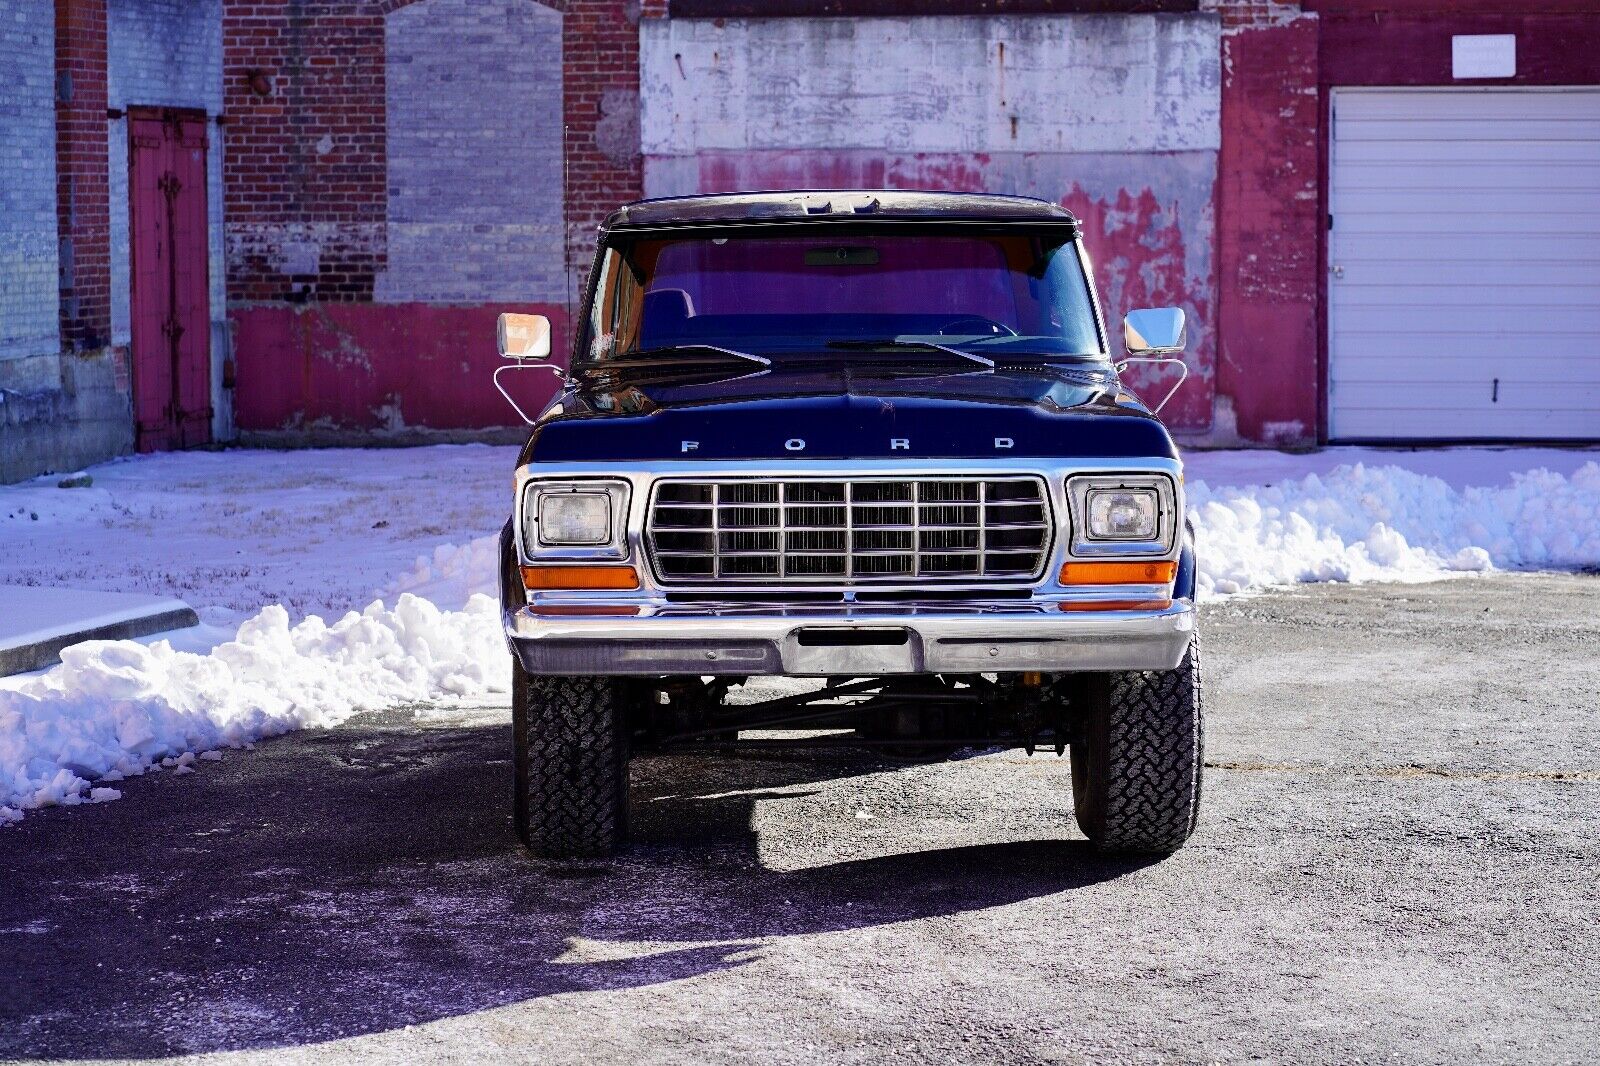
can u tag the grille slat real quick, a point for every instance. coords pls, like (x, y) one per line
(843, 531)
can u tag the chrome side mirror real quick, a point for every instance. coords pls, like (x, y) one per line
(1153, 331)
(523, 336)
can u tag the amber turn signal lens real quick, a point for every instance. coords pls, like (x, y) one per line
(540, 578)
(1118, 573)
(1117, 605)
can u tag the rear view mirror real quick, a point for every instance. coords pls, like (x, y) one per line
(523, 336)
(1153, 331)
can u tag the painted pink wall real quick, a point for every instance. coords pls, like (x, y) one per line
(378, 366)
(1147, 224)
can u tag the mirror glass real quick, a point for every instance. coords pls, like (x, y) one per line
(523, 336)
(1153, 331)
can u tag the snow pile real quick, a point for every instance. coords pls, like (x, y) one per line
(114, 709)
(454, 573)
(1366, 523)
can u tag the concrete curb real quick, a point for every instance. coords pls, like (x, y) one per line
(42, 648)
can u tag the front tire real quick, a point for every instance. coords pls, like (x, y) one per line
(1136, 772)
(570, 798)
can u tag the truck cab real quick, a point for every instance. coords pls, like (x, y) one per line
(874, 440)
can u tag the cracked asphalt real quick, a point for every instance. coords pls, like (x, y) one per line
(1397, 859)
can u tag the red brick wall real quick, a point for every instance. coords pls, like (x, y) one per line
(1268, 235)
(600, 90)
(303, 174)
(83, 211)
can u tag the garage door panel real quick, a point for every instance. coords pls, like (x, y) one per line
(1464, 106)
(1446, 130)
(1550, 253)
(1507, 322)
(1482, 269)
(1466, 233)
(1513, 395)
(1402, 423)
(1404, 292)
(1412, 356)
(1476, 152)
(1583, 205)
(1485, 225)
(1412, 368)
(1422, 177)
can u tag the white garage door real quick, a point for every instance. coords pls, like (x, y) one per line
(1464, 296)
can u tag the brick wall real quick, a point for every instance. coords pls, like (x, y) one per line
(303, 171)
(1268, 241)
(601, 110)
(386, 160)
(82, 197)
(29, 313)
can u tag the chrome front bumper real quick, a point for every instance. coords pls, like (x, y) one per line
(855, 641)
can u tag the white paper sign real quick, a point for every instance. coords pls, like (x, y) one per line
(1483, 55)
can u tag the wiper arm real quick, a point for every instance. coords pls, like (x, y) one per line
(652, 356)
(873, 344)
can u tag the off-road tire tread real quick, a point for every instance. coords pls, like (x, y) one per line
(1146, 757)
(571, 796)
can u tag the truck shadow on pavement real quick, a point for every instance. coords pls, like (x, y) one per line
(358, 880)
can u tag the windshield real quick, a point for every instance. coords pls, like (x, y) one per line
(783, 296)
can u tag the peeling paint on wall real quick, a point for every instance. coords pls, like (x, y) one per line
(1117, 118)
(1148, 223)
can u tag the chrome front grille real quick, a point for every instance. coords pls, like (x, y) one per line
(861, 530)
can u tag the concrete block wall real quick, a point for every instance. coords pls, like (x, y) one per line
(168, 53)
(1116, 117)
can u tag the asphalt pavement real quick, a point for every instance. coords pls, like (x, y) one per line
(1398, 858)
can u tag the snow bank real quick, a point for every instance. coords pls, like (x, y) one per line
(114, 709)
(1352, 523)
(454, 573)
(1365, 523)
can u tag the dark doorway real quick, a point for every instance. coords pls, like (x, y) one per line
(171, 313)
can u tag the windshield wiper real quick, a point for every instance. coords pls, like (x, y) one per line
(653, 357)
(879, 343)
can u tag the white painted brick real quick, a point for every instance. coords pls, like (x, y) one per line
(29, 323)
(474, 153)
(1082, 83)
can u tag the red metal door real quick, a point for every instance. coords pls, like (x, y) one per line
(171, 313)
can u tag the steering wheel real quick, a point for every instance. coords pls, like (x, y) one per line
(986, 326)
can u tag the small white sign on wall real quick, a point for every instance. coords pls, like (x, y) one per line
(1483, 55)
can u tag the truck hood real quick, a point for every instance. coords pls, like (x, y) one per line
(848, 412)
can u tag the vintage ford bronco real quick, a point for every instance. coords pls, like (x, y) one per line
(873, 438)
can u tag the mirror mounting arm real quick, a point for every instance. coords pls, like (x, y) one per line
(523, 364)
(1156, 359)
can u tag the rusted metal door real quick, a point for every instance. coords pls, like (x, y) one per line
(170, 299)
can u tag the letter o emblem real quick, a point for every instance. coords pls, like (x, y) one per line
(795, 444)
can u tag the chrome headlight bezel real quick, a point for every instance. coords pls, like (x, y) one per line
(536, 545)
(1082, 543)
